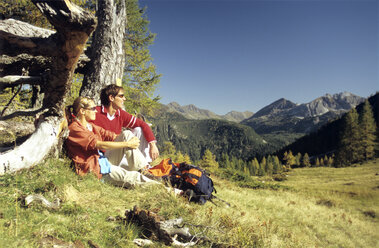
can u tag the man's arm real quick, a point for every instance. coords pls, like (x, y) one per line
(154, 152)
(130, 121)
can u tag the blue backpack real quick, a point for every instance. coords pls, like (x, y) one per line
(194, 181)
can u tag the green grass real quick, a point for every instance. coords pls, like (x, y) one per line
(314, 207)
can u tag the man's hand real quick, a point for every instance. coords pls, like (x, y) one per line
(133, 142)
(154, 153)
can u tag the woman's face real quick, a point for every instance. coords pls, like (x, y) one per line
(90, 111)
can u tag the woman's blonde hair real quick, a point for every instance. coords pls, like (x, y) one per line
(73, 110)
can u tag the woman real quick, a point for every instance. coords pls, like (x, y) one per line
(86, 141)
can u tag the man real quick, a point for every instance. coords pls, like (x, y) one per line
(111, 116)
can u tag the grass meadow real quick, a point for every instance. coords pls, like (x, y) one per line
(314, 207)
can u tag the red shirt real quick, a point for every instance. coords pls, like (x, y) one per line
(81, 147)
(121, 119)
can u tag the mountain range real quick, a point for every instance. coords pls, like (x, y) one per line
(326, 139)
(286, 116)
(278, 124)
(192, 112)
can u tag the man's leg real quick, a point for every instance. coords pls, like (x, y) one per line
(123, 178)
(144, 146)
(129, 159)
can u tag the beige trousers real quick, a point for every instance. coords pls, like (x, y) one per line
(129, 159)
(125, 165)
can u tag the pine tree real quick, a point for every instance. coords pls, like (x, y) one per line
(306, 161)
(368, 131)
(349, 151)
(140, 78)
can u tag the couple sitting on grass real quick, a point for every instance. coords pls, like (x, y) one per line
(97, 143)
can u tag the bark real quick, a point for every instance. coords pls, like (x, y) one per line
(63, 48)
(107, 52)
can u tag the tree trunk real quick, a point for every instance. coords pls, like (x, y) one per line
(63, 49)
(107, 51)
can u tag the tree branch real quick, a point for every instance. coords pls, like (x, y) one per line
(10, 81)
(66, 17)
(28, 112)
(30, 45)
(10, 101)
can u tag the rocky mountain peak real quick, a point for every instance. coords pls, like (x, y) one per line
(275, 107)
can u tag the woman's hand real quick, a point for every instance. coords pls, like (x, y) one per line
(133, 142)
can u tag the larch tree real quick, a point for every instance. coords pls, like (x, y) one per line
(317, 163)
(209, 161)
(306, 162)
(140, 77)
(289, 158)
(262, 167)
(277, 167)
(367, 128)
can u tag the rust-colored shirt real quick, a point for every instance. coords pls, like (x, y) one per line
(81, 147)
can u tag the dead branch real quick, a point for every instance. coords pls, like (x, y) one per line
(10, 101)
(16, 44)
(27, 112)
(155, 227)
(35, 65)
(14, 80)
(39, 198)
(24, 29)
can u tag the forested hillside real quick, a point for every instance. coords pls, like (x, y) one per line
(193, 137)
(326, 140)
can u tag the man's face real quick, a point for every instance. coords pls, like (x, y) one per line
(118, 100)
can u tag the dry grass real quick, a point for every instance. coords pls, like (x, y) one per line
(315, 207)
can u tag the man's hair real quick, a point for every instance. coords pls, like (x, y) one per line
(110, 90)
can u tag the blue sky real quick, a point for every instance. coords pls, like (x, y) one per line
(225, 55)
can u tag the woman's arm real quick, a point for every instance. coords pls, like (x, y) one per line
(133, 143)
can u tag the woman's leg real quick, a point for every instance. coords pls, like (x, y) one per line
(124, 178)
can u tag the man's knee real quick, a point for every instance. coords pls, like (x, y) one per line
(127, 135)
(137, 132)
